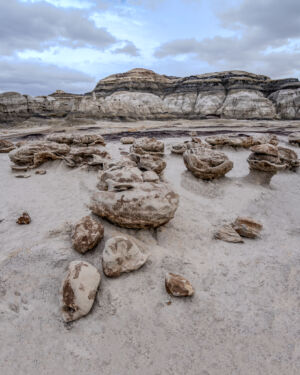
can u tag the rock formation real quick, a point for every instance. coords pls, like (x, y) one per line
(126, 199)
(247, 227)
(79, 290)
(77, 139)
(228, 234)
(123, 254)
(33, 154)
(269, 158)
(149, 146)
(178, 286)
(294, 139)
(142, 94)
(92, 156)
(207, 164)
(127, 140)
(87, 233)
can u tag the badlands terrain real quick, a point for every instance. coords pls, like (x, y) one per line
(63, 158)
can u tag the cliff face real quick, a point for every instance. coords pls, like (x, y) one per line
(142, 94)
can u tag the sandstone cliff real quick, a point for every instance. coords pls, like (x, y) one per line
(142, 94)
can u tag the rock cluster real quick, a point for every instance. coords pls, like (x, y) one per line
(241, 227)
(180, 148)
(90, 155)
(77, 139)
(147, 145)
(207, 164)
(294, 139)
(244, 141)
(33, 154)
(269, 158)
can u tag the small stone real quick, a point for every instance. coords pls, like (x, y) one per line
(87, 234)
(123, 254)
(247, 227)
(79, 290)
(40, 171)
(228, 234)
(178, 286)
(14, 307)
(22, 175)
(24, 219)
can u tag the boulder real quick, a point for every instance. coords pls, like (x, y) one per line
(6, 146)
(127, 140)
(262, 139)
(79, 290)
(228, 234)
(178, 286)
(34, 154)
(269, 158)
(147, 205)
(247, 227)
(87, 233)
(24, 219)
(207, 164)
(91, 156)
(147, 145)
(123, 254)
(150, 176)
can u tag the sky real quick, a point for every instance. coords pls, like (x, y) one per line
(70, 45)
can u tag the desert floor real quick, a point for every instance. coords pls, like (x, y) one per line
(244, 318)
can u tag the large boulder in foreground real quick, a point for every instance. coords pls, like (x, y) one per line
(79, 290)
(123, 254)
(147, 205)
(87, 233)
(207, 164)
(33, 154)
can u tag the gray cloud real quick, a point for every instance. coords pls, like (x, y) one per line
(260, 25)
(37, 79)
(129, 49)
(38, 25)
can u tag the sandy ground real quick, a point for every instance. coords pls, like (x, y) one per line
(243, 319)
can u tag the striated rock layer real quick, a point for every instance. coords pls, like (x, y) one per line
(142, 94)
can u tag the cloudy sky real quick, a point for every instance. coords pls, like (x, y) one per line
(70, 44)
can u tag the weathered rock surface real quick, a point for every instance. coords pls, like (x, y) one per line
(178, 286)
(6, 146)
(79, 290)
(147, 205)
(92, 156)
(207, 164)
(142, 94)
(78, 140)
(149, 162)
(147, 145)
(119, 178)
(123, 254)
(269, 158)
(229, 234)
(247, 227)
(87, 233)
(24, 219)
(34, 154)
(127, 140)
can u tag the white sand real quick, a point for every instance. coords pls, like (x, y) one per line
(243, 319)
